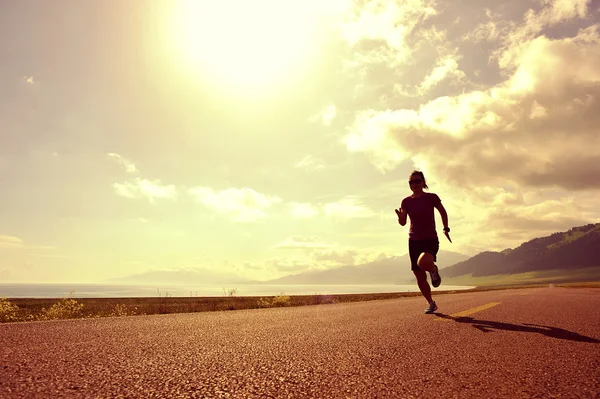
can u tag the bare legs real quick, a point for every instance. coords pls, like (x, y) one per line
(426, 264)
(423, 284)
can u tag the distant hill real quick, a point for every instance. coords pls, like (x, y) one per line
(392, 270)
(574, 249)
(571, 254)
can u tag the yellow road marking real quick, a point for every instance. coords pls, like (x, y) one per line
(469, 311)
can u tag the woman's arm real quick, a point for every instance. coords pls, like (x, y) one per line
(401, 216)
(443, 214)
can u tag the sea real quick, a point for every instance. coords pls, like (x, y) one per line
(21, 290)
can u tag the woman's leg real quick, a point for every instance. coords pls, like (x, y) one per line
(423, 284)
(426, 262)
(417, 255)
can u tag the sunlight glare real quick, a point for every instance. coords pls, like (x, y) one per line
(248, 44)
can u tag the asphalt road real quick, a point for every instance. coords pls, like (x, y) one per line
(525, 343)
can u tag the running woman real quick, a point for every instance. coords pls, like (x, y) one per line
(423, 243)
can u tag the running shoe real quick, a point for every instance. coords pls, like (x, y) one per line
(436, 280)
(431, 308)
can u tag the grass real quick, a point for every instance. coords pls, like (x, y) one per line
(528, 278)
(42, 309)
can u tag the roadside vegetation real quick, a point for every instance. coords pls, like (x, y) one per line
(44, 309)
(540, 277)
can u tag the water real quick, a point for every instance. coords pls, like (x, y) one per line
(136, 291)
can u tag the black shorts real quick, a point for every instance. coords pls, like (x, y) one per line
(417, 247)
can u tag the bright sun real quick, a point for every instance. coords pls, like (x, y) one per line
(247, 43)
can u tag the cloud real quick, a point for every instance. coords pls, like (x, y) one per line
(143, 188)
(549, 215)
(538, 127)
(370, 134)
(537, 111)
(127, 165)
(207, 263)
(326, 115)
(489, 31)
(552, 13)
(299, 242)
(310, 163)
(139, 187)
(486, 218)
(10, 242)
(307, 253)
(241, 204)
(347, 208)
(302, 210)
(51, 256)
(286, 265)
(445, 68)
(7, 241)
(512, 155)
(345, 256)
(336, 257)
(379, 31)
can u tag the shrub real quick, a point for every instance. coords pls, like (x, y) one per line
(264, 303)
(277, 301)
(120, 310)
(282, 300)
(230, 292)
(66, 308)
(8, 311)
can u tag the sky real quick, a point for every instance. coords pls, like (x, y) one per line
(273, 137)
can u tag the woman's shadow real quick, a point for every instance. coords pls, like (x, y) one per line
(552, 332)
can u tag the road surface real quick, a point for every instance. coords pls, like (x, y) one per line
(542, 342)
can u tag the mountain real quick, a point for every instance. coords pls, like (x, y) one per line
(576, 248)
(185, 277)
(392, 270)
(572, 251)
